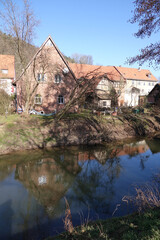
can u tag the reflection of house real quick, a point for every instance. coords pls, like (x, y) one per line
(47, 81)
(103, 154)
(131, 149)
(7, 73)
(129, 83)
(46, 180)
(154, 96)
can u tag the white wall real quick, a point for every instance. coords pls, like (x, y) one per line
(6, 84)
(130, 98)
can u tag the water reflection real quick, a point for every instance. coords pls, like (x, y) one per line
(93, 179)
(47, 180)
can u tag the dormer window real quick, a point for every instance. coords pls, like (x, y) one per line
(58, 78)
(148, 75)
(4, 71)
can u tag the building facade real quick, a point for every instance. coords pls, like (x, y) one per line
(7, 73)
(47, 82)
(138, 82)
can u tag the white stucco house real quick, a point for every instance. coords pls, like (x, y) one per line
(7, 73)
(138, 82)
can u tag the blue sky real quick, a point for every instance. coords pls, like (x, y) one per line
(94, 27)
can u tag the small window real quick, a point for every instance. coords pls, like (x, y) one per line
(40, 77)
(4, 71)
(38, 99)
(104, 104)
(149, 83)
(144, 83)
(133, 82)
(58, 78)
(152, 84)
(42, 180)
(60, 99)
(139, 83)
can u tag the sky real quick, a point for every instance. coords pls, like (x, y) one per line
(92, 27)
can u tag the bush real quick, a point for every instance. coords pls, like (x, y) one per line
(5, 102)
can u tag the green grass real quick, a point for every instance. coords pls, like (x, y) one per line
(144, 226)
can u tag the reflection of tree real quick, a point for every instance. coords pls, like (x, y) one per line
(94, 186)
(154, 145)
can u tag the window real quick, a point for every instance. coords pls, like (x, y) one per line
(42, 180)
(104, 104)
(60, 99)
(149, 84)
(133, 82)
(152, 84)
(38, 99)
(40, 77)
(58, 78)
(4, 71)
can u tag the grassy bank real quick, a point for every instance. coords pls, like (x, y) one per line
(144, 226)
(18, 132)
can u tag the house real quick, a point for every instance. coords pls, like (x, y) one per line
(139, 82)
(131, 84)
(7, 73)
(154, 95)
(101, 80)
(47, 82)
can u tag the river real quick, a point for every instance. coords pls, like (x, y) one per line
(35, 184)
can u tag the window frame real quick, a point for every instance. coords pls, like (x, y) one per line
(40, 77)
(4, 71)
(39, 97)
(60, 99)
(57, 78)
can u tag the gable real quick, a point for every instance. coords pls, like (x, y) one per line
(155, 90)
(55, 56)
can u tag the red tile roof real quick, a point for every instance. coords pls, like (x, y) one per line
(136, 74)
(93, 71)
(112, 72)
(7, 63)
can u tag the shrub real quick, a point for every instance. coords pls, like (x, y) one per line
(5, 102)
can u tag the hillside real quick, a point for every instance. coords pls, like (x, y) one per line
(7, 46)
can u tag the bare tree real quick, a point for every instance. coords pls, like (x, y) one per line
(147, 15)
(82, 59)
(20, 24)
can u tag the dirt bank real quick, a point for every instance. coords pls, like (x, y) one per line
(21, 133)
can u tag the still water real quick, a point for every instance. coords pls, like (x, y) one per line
(94, 180)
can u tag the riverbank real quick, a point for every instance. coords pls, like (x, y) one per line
(136, 226)
(18, 132)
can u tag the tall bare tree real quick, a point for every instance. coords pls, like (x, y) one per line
(147, 14)
(20, 23)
